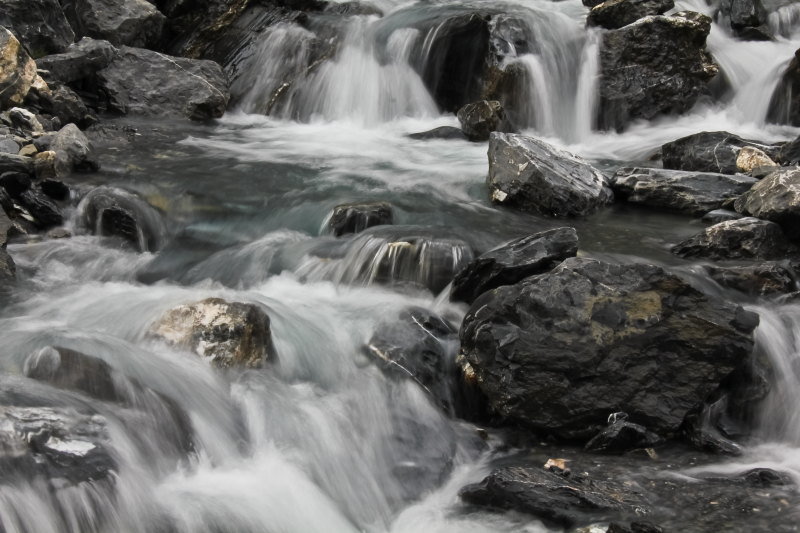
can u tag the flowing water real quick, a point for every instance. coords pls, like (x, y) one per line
(323, 440)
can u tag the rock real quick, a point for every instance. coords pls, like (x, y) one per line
(65, 104)
(755, 280)
(766, 477)
(121, 22)
(442, 132)
(514, 261)
(657, 65)
(73, 151)
(744, 13)
(775, 198)
(29, 150)
(15, 163)
(17, 71)
(614, 14)
(25, 120)
(9, 146)
(558, 501)
(560, 351)
(15, 183)
(44, 165)
(228, 334)
(621, 436)
(720, 215)
(790, 153)
(39, 24)
(80, 61)
(784, 105)
(715, 151)
(45, 213)
(745, 238)
(57, 190)
(71, 370)
(531, 175)
(751, 158)
(691, 192)
(479, 119)
(143, 82)
(355, 218)
(7, 267)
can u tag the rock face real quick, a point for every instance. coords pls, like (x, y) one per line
(657, 65)
(531, 175)
(227, 334)
(744, 238)
(39, 24)
(514, 261)
(709, 151)
(614, 14)
(775, 198)
(355, 218)
(143, 82)
(121, 22)
(784, 106)
(115, 212)
(17, 70)
(561, 351)
(479, 119)
(691, 192)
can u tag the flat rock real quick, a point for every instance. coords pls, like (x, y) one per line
(442, 132)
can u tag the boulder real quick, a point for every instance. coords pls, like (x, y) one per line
(479, 119)
(17, 71)
(744, 238)
(73, 151)
(80, 61)
(121, 22)
(57, 190)
(775, 198)
(228, 334)
(143, 82)
(784, 105)
(657, 65)
(709, 151)
(39, 24)
(356, 217)
(442, 132)
(531, 175)
(25, 120)
(751, 158)
(514, 261)
(621, 436)
(15, 183)
(44, 165)
(614, 14)
(71, 370)
(559, 352)
(9, 146)
(743, 13)
(44, 211)
(691, 192)
(755, 280)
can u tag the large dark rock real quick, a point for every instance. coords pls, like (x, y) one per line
(514, 261)
(561, 351)
(775, 198)
(44, 211)
(657, 65)
(39, 24)
(691, 192)
(614, 14)
(143, 82)
(745, 238)
(531, 175)
(80, 61)
(121, 22)
(709, 151)
(355, 218)
(64, 103)
(479, 119)
(17, 71)
(784, 106)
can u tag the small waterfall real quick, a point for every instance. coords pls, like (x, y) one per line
(785, 21)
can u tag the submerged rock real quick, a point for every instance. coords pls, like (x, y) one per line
(775, 198)
(115, 212)
(560, 351)
(479, 119)
(228, 334)
(121, 22)
(756, 280)
(744, 238)
(709, 151)
(531, 175)
(513, 261)
(356, 217)
(68, 369)
(614, 14)
(721, 215)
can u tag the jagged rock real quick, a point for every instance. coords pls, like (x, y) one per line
(691, 192)
(17, 71)
(657, 65)
(71, 370)
(775, 198)
(479, 119)
(531, 175)
(745, 238)
(756, 280)
(442, 132)
(228, 334)
(715, 151)
(143, 82)
(355, 218)
(720, 215)
(614, 14)
(121, 22)
(39, 24)
(45, 213)
(751, 158)
(80, 61)
(784, 105)
(513, 261)
(560, 351)
(621, 436)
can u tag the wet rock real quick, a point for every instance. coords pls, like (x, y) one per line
(635, 527)
(775, 198)
(479, 119)
(71, 370)
(751, 158)
(745, 238)
(709, 151)
(641, 77)
(614, 14)
(756, 280)
(744, 14)
(17, 71)
(7, 267)
(228, 334)
(81, 61)
(15, 183)
(115, 212)
(691, 192)
(766, 477)
(143, 82)
(784, 106)
(513, 261)
(39, 24)
(531, 175)
(355, 218)
(121, 22)
(621, 436)
(591, 3)
(720, 215)
(790, 153)
(442, 132)
(44, 211)
(57, 190)
(560, 351)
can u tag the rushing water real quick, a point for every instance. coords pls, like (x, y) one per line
(323, 441)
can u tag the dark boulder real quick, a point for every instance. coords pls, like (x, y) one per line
(744, 238)
(44, 211)
(143, 82)
(81, 61)
(614, 14)
(766, 477)
(775, 198)
(7, 267)
(709, 151)
(479, 119)
(560, 351)
(784, 105)
(691, 192)
(63, 103)
(531, 175)
(442, 132)
(657, 65)
(39, 24)
(121, 22)
(355, 218)
(621, 436)
(755, 280)
(514, 261)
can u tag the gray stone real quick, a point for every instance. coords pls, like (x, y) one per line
(121, 22)
(744, 238)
